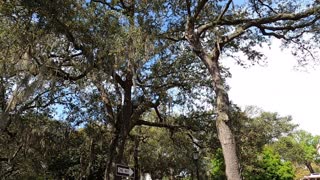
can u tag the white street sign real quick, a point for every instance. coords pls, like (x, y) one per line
(124, 171)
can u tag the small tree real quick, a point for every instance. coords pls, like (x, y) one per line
(272, 167)
(300, 147)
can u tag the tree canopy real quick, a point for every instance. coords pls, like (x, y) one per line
(110, 78)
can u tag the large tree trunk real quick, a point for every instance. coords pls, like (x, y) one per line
(116, 155)
(223, 121)
(123, 128)
(116, 148)
(110, 163)
(309, 166)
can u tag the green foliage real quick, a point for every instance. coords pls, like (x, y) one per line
(254, 129)
(272, 167)
(162, 152)
(269, 165)
(299, 147)
(107, 65)
(50, 149)
(217, 166)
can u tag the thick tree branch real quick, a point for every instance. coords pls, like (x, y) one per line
(291, 27)
(224, 11)
(70, 56)
(78, 46)
(174, 39)
(107, 4)
(158, 114)
(259, 24)
(191, 19)
(47, 104)
(119, 80)
(194, 141)
(66, 76)
(173, 34)
(285, 16)
(266, 5)
(238, 32)
(168, 85)
(108, 105)
(272, 19)
(64, 28)
(264, 32)
(199, 8)
(29, 102)
(188, 3)
(160, 125)
(143, 107)
(259, 21)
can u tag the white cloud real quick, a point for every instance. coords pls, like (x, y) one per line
(279, 88)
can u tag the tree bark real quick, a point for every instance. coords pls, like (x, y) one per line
(112, 151)
(115, 156)
(223, 121)
(123, 127)
(116, 153)
(309, 166)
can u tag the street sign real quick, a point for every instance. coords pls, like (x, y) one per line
(124, 171)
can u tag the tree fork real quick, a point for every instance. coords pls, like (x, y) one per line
(225, 133)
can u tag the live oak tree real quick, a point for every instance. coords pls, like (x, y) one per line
(214, 29)
(48, 148)
(121, 52)
(165, 154)
(168, 152)
(24, 95)
(110, 68)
